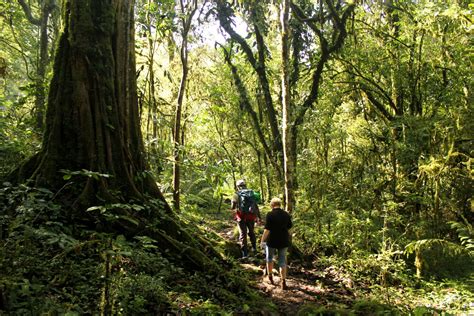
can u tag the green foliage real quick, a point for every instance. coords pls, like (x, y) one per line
(363, 307)
(384, 269)
(45, 266)
(315, 310)
(383, 284)
(424, 244)
(450, 297)
(466, 234)
(52, 265)
(360, 307)
(18, 139)
(440, 258)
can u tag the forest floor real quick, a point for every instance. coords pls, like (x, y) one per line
(327, 286)
(306, 284)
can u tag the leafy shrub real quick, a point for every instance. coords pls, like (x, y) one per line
(315, 310)
(140, 294)
(52, 265)
(367, 307)
(367, 269)
(17, 137)
(440, 258)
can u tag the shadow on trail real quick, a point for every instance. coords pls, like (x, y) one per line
(307, 284)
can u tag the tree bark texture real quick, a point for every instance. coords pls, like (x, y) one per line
(92, 121)
(92, 124)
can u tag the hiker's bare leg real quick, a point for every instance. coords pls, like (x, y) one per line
(269, 261)
(283, 272)
(283, 267)
(270, 271)
(270, 268)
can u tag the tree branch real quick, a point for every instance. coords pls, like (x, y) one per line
(26, 59)
(301, 16)
(245, 104)
(339, 34)
(224, 13)
(359, 74)
(26, 8)
(379, 106)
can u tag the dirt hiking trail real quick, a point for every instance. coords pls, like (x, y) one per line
(306, 283)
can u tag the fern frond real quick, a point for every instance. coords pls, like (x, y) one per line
(465, 234)
(446, 246)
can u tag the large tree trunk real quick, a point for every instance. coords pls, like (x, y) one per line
(92, 122)
(92, 129)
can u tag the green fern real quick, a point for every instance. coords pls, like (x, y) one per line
(447, 247)
(420, 247)
(466, 234)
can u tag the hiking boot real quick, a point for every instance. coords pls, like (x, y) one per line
(283, 285)
(244, 254)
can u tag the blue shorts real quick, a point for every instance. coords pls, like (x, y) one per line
(270, 252)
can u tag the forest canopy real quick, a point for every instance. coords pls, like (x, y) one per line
(124, 126)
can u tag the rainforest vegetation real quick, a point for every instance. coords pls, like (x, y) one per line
(125, 124)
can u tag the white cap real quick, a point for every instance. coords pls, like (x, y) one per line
(240, 183)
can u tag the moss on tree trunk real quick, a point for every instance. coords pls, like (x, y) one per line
(92, 120)
(92, 124)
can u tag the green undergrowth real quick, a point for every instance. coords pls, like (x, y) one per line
(385, 285)
(52, 265)
(382, 284)
(49, 265)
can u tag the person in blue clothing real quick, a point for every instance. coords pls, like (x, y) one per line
(275, 239)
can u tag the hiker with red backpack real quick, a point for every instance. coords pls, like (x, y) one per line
(246, 213)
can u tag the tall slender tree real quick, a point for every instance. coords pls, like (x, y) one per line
(187, 11)
(287, 113)
(42, 21)
(271, 143)
(329, 27)
(327, 24)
